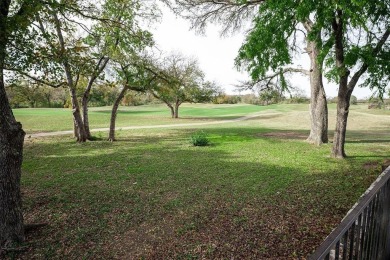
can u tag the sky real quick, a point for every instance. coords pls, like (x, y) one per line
(216, 54)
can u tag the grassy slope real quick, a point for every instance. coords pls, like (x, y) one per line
(257, 192)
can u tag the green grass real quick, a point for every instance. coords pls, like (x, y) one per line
(257, 191)
(54, 119)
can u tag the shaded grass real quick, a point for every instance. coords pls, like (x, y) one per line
(254, 193)
(258, 191)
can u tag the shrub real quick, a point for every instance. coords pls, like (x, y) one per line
(353, 100)
(199, 139)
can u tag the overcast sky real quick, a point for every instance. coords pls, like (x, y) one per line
(216, 54)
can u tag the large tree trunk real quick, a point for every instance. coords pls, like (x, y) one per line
(11, 154)
(318, 105)
(111, 134)
(11, 157)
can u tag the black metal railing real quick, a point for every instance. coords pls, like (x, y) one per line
(365, 231)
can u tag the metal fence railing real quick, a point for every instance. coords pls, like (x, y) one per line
(365, 231)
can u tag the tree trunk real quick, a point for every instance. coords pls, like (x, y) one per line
(318, 105)
(343, 102)
(11, 157)
(11, 154)
(84, 104)
(80, 133)
(176, 112)
(78, 121)
(172, 110)
(111, 135)
(344, 93)
(101, 65)
(75, 132)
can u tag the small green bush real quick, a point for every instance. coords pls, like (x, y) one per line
(199, 139)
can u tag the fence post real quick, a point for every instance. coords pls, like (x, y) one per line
(387, 214)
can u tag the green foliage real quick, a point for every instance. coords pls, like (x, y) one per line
(273, 40)
(249, 99)
(226, 99)
(199, 138)
(270, 96)
(206, 92)
(27, 94)
(364, 24)
(103, 95)
(297, 100)
(267, 46)
(353, 100)
(136, 98)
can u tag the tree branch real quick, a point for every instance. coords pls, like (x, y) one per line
(355, 78)
(36, 79)
(230, 13)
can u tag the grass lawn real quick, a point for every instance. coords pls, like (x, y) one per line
(54, 119)
(257, 192)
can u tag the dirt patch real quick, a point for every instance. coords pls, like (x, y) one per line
(372, 166)
(286, 135)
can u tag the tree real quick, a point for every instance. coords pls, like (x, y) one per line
(270, 96)
(134, 75)
(14, 21)
(59, 51)
(76, 40)
(110, 40)
(206, 92)
(270, 44)
(360, 31)
(273, 41)
(32, 39)
(182, 82)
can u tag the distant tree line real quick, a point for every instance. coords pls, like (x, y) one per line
(25, 94)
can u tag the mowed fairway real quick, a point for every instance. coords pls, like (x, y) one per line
(257, 192)
(55, 119)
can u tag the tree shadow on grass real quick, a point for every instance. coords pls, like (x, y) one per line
(153, 197)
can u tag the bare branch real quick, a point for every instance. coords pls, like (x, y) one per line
(267, 81)
(355, 78)
(229, 13)
(36, 79)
